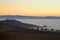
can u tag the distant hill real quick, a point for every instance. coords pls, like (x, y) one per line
(9, 28)
(28, 17)
(17, 23)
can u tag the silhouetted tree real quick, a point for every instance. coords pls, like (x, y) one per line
(42, 29)
(38, 28)
(46, 29)
(52, 30)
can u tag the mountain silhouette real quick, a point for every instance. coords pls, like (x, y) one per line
(17, 23)
(28, 17)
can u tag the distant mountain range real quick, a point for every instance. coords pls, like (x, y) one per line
(28, 17)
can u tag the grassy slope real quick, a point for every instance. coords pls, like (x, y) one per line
(27, 34)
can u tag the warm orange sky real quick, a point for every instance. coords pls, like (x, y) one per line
(30, 7)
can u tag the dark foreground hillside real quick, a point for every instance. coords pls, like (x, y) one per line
(28, 36)
(7, 33)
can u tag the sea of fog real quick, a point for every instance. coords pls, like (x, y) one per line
(51, 23)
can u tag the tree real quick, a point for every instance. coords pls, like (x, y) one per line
(38, 28)
(42, 29)
(52, 30)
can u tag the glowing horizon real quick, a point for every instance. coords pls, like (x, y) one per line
(30, 7)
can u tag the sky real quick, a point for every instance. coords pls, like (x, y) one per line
(30, 7)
